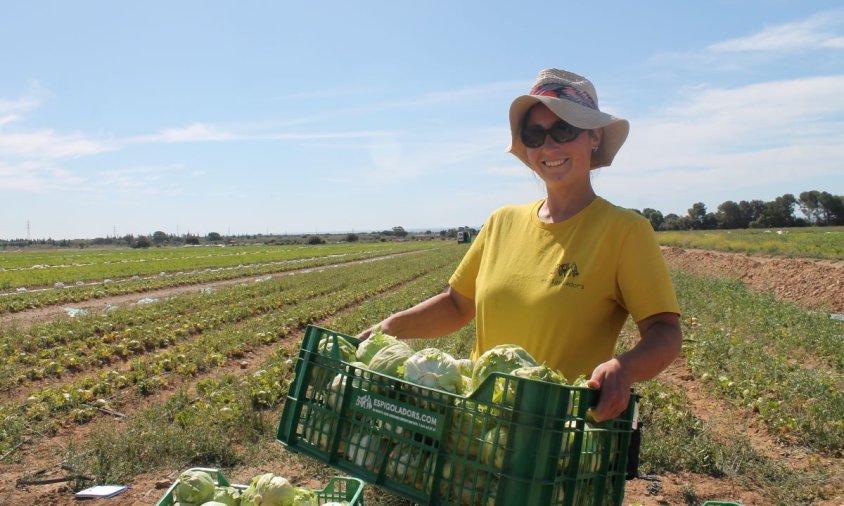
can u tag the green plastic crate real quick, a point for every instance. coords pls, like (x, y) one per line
(437, 448)
(337, 489)
(721, 503)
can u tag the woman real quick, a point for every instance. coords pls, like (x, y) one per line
(560, 276)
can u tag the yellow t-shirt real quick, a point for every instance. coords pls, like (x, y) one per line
(563, 290)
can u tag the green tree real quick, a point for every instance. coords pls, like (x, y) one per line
(729, 216)
(352, 238)
(750, 211)
(399, 231)
(672, 222)
(142, 242)
(810, 205)
(654, 216)
(214, 237)
(777, 213)
(699, 219)
(159, 237)
(192, 239)
(833, 208)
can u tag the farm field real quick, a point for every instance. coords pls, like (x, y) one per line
(37, 279)
(133, 393)
(812, 242)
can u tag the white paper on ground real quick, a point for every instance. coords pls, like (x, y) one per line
(102, 491)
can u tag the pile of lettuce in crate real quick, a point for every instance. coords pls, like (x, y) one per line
(437, 430)
(208, 487)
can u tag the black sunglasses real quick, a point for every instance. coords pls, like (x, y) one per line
(534, 136)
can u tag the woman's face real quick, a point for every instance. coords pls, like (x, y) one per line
(561, 166)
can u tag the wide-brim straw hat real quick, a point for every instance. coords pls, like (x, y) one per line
(574, 100)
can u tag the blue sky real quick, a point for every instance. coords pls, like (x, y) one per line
(274, 117)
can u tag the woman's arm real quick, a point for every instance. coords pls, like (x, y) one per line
(438, 316)
(660, 343)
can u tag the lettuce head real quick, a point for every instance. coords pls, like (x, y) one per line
(433, 368)
(268, 490)
(504, 358)
(194, 486)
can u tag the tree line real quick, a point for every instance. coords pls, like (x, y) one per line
(818, 209)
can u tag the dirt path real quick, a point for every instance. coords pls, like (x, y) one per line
(813, 284)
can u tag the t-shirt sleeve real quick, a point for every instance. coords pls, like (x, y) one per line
(644, 284)
(465, 276)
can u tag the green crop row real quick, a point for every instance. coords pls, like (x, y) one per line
(74, 294)
(92, 341)
(813, 242)
(783, 363)
(47, 275)
(230, 416)
(150, 372)
(22, 260)
(674, 440)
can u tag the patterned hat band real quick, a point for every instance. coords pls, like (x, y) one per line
(566, 92)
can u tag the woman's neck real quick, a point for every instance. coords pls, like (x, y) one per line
(557, 207)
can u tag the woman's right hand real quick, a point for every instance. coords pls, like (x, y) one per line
(384, 324)
(363, 336)
(437, 316)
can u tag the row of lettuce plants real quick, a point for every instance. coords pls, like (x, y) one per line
(24, 260)
(233, 415)
(15, 302)
(771, 357)
(79, 398)
(93, 341)
(43, 275)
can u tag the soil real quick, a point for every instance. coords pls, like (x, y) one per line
(815, 285)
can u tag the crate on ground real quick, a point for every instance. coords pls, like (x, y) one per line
(338, 489)
(512, 441)
(721, 503)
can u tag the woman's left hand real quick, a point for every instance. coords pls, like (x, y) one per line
(614, 385)
(660, 343)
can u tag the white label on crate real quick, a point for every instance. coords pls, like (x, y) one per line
(409, 417)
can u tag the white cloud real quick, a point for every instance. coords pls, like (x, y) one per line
(203, 132)
(23, 104)
(47, 144)
(36, 177)
(719, 139)
(815, 32)
(9, 118)
(194, 132)
(144, 180)
(40, 144)
(395, 159)
(757, 116)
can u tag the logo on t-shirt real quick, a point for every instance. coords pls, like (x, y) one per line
(564, 274)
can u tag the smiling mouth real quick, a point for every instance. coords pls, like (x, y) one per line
(554, 163)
